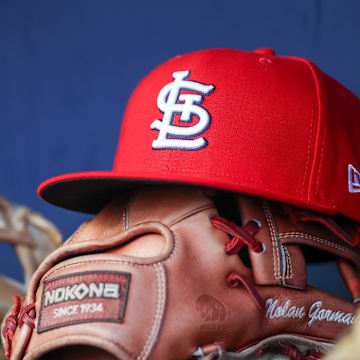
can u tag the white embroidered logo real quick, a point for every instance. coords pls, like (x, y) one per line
(171, 102)
(353, 179)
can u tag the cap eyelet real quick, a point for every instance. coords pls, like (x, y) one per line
(264, 60)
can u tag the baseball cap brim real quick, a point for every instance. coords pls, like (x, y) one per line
(90, 191)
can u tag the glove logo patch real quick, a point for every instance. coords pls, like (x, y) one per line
(210, 308)
(179, 132)
(212, 313)
(83, 297)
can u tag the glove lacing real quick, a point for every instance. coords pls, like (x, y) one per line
(17, 318)
(241, 236)
(245, 236)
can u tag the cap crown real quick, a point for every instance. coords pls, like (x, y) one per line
(250, 122)
(274, 126)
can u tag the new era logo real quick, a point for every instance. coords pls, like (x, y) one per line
(354, 179)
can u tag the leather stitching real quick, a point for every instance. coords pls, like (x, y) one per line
(76, 233)
(115, 262)
(161, 300)
(160, 308)
(124, 217)
(318, 240)
(287, 265)
(96, 261)
(289, 268)
(190, 213)
(273, 240)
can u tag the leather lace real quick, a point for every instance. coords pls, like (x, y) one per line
(245, 236)
(17, 318)
(235, 279)
(349, 232)
(241, 236)
(10, 326)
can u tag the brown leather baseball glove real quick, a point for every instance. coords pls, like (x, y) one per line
(173, 273)
(33, 238)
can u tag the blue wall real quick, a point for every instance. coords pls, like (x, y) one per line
(67, 69)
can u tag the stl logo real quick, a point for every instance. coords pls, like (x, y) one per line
(171, 102)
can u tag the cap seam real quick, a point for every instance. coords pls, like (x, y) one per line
(308, 148)
(319, 136)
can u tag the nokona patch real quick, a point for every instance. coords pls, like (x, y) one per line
(90, 296)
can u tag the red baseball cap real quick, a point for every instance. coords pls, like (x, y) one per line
(250, 122)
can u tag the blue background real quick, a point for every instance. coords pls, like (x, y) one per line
(67, 69)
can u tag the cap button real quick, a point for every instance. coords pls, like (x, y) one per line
(265, 51)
